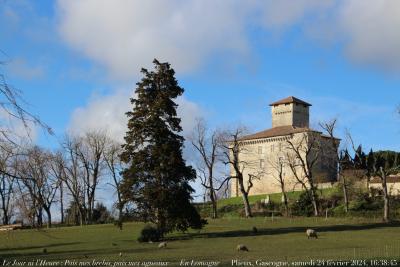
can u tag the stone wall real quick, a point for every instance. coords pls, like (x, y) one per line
(290, 114)
(261, 158)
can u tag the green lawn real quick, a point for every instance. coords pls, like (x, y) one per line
(280, 239)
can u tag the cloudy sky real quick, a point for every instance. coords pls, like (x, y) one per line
(77, 62)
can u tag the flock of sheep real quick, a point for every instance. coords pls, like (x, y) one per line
(311, 233)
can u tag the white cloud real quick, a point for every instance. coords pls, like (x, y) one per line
(102, 113)
(126, 35)
(108, 113)
(371, 31)
(281, 14)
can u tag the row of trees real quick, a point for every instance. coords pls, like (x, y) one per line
(33, 179)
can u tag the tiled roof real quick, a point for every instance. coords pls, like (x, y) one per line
(288, 100)
(277, 131)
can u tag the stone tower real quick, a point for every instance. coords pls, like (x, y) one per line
(290, 111)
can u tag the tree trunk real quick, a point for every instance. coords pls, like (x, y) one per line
(385, 196)
(247, 208)
(214, 203)
(40, 217)
(345, 195)
(282, 183)
(285, 203)
(62, 202)
(212, 192)
(245, 196)
(5, 210)
(314, 201)
(80, 216)
(48, 213)
(6, 220)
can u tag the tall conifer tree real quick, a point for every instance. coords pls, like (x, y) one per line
(156, 180)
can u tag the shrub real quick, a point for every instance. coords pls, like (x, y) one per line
(364, 202)
(338, 211)
(149, 233)
(303, 206)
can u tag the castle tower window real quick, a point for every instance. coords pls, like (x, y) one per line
(260, 150)
(261, 163)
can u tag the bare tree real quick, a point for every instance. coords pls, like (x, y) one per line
(12, 109)
(382, 173)
(91, 155)
(84, 164)
(207, 146)
(383, 165)
(277, 165)
(339, 156)
(42, 186)
(57, 168)
(237, 155)
(112, 158)
(7, 182)
(73, 177)
(302, 155)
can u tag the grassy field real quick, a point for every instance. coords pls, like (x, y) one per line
(281, 239)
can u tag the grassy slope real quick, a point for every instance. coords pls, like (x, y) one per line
(277, 240)
(235, 204)
(273, 197)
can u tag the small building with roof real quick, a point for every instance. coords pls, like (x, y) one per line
(269, 157)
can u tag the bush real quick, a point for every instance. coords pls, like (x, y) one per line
(149, 233)
(363, 202)
(303, 206)
(339, 211)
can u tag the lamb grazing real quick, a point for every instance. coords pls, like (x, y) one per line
(311, 233)
(242, 247)
(162, 245)
(120, 254)
(255, 230)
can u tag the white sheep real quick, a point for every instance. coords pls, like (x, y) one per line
(311, 233)
(242, 247)
(162, 245)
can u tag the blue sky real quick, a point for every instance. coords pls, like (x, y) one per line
(77, 62)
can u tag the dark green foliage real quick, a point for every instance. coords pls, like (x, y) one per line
(101, 214)
(388, 160)
(303, 206)
(149, 233)
(364, 202)
(360, 159)
(72, 216)
(156, 181)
